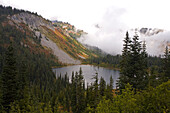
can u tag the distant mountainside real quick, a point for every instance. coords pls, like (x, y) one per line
(71, 31)
(148, 31)
(156, 39)
(68, 29)
(58, 38)
(96, 50)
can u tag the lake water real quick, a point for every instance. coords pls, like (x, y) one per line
(89, 72)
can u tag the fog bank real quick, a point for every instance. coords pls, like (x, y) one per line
(108, 34)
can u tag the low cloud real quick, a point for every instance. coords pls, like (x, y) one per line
(156, 44)
(110, 32)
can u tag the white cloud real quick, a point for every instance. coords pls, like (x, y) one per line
(110, 34)
(156, 44)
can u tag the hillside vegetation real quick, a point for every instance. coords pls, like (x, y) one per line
(46, 30)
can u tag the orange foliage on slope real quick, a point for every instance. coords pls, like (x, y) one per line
(68, 44)
(59, 34)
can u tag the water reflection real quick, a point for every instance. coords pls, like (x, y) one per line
(89, 71)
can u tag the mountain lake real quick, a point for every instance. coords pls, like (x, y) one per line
(89, 71)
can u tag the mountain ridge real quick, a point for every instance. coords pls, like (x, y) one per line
(51, 37)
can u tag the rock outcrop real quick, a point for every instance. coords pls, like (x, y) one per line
(35, 23)
(62, 56)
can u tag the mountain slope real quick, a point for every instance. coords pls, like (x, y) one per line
(35, 24)
(150, 31)
(68, 29)
(62, 56)
(66, 48)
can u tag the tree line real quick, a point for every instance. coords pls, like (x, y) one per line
(21, 94)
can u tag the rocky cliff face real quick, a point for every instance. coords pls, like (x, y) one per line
(150, 31)
(36, 24)
(145, 32)
(62, 56)
(33, 21)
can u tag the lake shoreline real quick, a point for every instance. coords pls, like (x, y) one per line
(94, 64)
(89, 71)
(103, 65)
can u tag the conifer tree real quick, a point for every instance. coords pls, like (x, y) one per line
(144, 77)
(102, 86)
(166, 65)
(137, 65)
(87, 94)
(23, 87)
(96, 90)
(134, 64)
(111, 83)
(9, 79)
(124, 64)
(22, 81)
(73, 93)
(110, 89)
(78, 93)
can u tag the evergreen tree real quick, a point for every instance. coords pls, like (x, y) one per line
(135, 61)
(9, 79)
(126, 45)
(109, 94)
(23, 87)
(134, 64)
(96, 91)
(22, 81)
(138, 63)
(166, 65)
(125, 62)
(78, 93)
(143, 73)
(87, 95)
(111, 83)
(96, 85)
(73, 92)
(102, 86)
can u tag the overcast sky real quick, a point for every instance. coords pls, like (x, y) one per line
(112, 17)
(85, 13)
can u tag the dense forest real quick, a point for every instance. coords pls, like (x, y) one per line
(28, 85)
(113, 61)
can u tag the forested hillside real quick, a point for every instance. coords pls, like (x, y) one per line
(25, 62)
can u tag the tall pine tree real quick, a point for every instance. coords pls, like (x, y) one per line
(78, 93)
(166, 65)
(102, 86)
(133, 64)
(144, 76)
(9, 79)
(124, 64)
